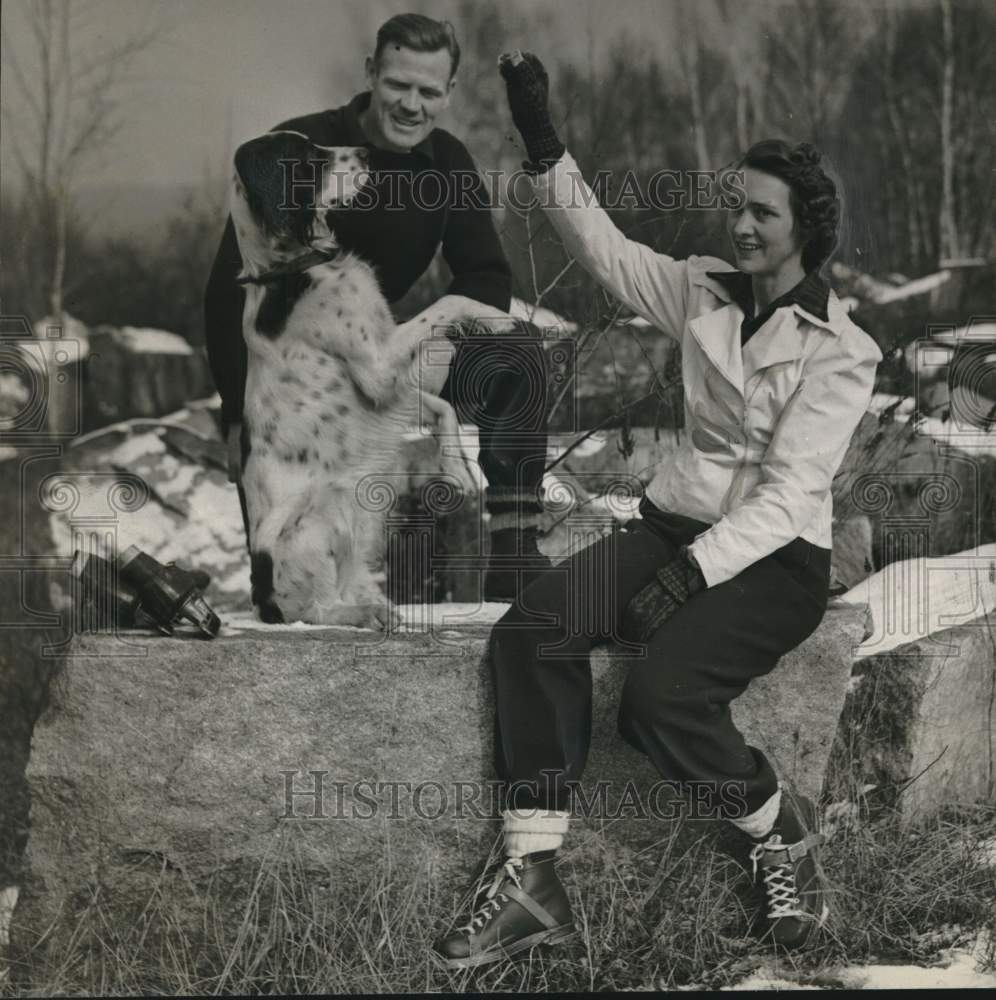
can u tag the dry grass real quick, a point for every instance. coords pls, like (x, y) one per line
(675, 914)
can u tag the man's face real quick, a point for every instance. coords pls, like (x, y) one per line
(408, 90)
(763, 231)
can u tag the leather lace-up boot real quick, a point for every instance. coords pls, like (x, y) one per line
(795, 901)
(526, 905)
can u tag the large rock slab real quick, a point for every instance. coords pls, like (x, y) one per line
(926, 485)
(919, 727)
(194, 752)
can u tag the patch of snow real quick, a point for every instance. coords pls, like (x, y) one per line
(181, 477)
(545, 319)
(621, 506)
(959, 973)
(968, 591)
(760, 981)
(637, 322)
(212, 402)
(883, 400)
(987, 851)
(974, 440)
(135, 447)
(147, 340)
(957, 970)
(12, 388)
(974, 332)
(121, 427)
(71, 330)
(414, 617)
(8, 900)
(589, 446)
(442, 615)
(239, 621)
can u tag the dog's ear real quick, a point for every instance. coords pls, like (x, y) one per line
(282, 176)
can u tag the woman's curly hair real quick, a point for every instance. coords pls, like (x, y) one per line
(816, 206)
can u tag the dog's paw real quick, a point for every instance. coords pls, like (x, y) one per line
(492, 325)
(380, 617)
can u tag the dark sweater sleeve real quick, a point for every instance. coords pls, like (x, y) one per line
(470, 244)
(226, 348)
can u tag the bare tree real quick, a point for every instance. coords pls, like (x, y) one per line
(810, 50)
(72, 98)
(934, 67)
(690, 57)
(948, 226)
(739, 39)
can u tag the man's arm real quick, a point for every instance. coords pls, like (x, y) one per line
(226, 348)
(471, 246)
(481, 288)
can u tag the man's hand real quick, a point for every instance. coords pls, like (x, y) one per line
(671, 586)
(527, 87)
(233, 446)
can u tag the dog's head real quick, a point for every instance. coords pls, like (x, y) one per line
(284, 188)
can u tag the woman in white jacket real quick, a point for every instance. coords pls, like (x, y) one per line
(729, 567)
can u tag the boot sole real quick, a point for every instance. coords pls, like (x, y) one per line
(551, 937)
(815, 927)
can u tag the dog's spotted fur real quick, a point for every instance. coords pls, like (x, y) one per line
(332, 385)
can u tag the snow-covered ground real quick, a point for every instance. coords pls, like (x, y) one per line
(148, 340)
(414, 617)
(975, 440)
(956, 970)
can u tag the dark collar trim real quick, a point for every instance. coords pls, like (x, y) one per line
(738, 287)
(295, 266)
(811, 294)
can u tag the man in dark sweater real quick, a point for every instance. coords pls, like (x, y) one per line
(425, 192)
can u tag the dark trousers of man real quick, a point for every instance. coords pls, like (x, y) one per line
(500, 384)
(676, 698)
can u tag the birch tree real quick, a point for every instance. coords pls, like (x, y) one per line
(72, 96)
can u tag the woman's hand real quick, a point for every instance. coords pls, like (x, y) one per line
(670, 587)
(527, 87)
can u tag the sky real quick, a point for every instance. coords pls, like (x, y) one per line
(224, 70)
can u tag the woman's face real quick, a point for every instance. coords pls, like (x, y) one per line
(763, 231)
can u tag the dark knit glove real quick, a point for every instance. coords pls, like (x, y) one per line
(527, 87)
(670, 587)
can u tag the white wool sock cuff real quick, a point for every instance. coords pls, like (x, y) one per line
(758, 824)
(529, 830)
(513, 519)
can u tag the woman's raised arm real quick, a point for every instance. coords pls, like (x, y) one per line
(652, 284)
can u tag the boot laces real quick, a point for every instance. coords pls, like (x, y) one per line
(509, 871)
(779, 882)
